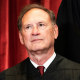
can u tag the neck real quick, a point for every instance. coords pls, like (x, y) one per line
(40, 57)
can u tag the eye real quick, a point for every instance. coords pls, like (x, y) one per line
(28, 26)
(41, 24)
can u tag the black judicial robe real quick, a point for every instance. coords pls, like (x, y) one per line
(68, 21)
(60, 69)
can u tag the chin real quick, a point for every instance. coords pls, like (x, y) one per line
(38, 48)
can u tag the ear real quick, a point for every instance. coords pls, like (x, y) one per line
(55, 31)
(21, 38)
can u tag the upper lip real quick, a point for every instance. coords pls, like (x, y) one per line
(35, 40)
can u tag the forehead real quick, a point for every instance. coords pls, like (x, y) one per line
(35, 13)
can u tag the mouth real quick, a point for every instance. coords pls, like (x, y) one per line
(35, 40)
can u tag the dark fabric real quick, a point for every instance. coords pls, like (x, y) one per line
(68, 21)
(59, 69)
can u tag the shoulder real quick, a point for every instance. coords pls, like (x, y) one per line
(17, 69)
(65, 63)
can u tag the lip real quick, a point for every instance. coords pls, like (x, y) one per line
(34, 40)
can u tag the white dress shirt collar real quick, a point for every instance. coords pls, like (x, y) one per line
(47, 63)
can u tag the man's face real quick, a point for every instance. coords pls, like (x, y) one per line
(37, 31)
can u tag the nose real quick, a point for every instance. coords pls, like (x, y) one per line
(35, 31)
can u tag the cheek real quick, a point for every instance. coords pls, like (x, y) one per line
(50, 34)
(26, 38)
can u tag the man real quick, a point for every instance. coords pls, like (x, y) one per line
(37, 32)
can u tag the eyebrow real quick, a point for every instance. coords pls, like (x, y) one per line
(27, 25)
(36, 23)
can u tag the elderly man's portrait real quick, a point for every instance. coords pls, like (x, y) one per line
(48, 39)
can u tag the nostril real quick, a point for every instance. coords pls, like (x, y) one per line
(35, 34)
